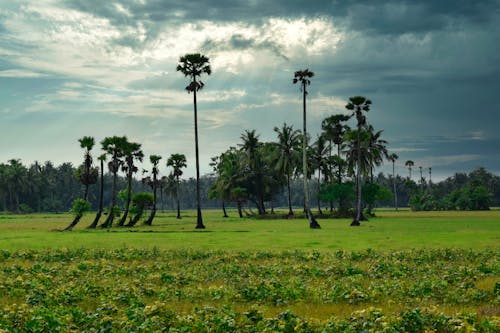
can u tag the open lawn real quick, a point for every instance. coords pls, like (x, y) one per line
(400, 272)
(390, 230)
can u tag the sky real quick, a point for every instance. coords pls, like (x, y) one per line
(77, 68)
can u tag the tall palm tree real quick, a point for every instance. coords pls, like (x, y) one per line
(131, 152)
(393, 157)
(101, 158)
(113, 146)
(193, 66)
(288, 148)
(377, 149)
(155, 160)
(409, 164)
(177, 162)
(303, 77)
(86, 174)
(358, 104)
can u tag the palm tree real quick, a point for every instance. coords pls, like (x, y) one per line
(393, 157)
(288, 147)
(86, 174)
(409, 164)
(377, 149)
(303, 76)
(254, 167)
(358, 104)
(154, 159)
(177, 162)
(319, 154)
(113, 146)
(334, 130)
(101, 158)
(17, 182)
(131, 152)
(192, 66)
(87, 143)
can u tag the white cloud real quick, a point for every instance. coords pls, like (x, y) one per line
(20, 73)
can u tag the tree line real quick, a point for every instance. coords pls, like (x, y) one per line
(337, 169)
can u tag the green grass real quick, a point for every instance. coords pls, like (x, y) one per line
(390, 230)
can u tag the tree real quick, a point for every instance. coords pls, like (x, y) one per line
(87, 176)
(358, 104)
(319, 154)
(334, 130)
(131, 152)
(155, 160)
(193, 66)
(288, 149)
(409, 164)
(393, 157)
(101, 159)
(140, 201)
(303, 76)
(177, 162)
(113, 146)
(16, 178)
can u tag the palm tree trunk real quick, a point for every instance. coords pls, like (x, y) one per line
(358, 182)
(313, 224)
(74, 223)
(224, 209)
(177, 199)
(290, 210)
(238, 203)
(101, 195)
(153, 210)
(319, 184)
(394, 186)
(111, 214)
(129, 194)
(199, 219)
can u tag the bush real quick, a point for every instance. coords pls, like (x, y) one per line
(80, 207)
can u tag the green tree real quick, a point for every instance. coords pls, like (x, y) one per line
(140, 202)
(287, 161)
(177, 162)
(303, 77)
(334, 130)
(155, 160)
(319, 155)
(193, 66)
(358, 105)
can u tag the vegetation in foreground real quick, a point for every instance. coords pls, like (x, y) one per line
(255, 291)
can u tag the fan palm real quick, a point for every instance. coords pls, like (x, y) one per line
(193, 66)
(177, 162)
(303, 77)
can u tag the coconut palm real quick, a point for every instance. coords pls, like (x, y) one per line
(288, 149)
(177, 162)
(193, 66)
(131, 152)
(101, 159)
(357, 105)
(303, 77)
(253, 165)
(393, 157)
(409, 164)
(113, 146)
(155, 160)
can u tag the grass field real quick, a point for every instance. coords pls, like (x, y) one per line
(389, 231)
(400, 272)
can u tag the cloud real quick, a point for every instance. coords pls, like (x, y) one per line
(20, 73)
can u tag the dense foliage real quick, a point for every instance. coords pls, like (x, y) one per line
(191, 291)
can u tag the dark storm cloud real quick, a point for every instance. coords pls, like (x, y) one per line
(240, 43)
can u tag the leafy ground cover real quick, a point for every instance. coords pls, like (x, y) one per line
(252, 291)
(400, 272)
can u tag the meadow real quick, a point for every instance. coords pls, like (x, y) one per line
(400, 272)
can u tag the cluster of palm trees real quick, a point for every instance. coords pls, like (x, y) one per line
(122, 155)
